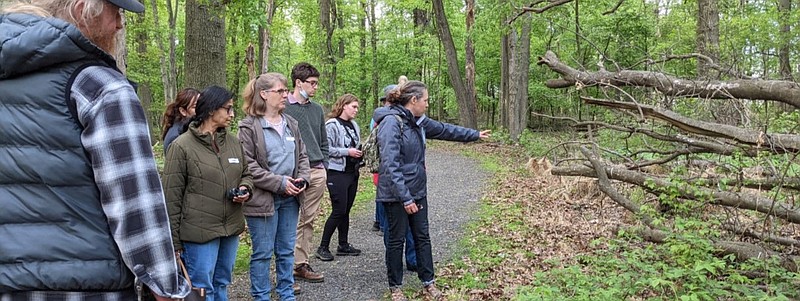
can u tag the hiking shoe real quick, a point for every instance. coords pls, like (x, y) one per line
(324, 254)
(432, 292)
(305, 272)
(376, 226)
(347, 250)
(397, 294)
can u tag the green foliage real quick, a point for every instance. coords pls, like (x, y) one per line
(681, 269)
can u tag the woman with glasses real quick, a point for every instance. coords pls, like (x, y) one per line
(177, 115)
(206, 181)
(344, 158)
(276, 156)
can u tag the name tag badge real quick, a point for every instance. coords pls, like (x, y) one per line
(233, 160)
(290, 139)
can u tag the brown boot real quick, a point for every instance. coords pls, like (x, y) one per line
(397, 294)
(304, 272)
(433, 293)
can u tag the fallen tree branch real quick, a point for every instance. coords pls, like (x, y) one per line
(741, 200)
(773, 90)
(708, 61)
(767, 237)
(741, 250)
(712, 147)
(777, 143)
(610, 191)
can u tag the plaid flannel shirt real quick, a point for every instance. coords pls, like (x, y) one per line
(116, 138)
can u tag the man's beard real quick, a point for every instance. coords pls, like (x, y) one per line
(106, 42)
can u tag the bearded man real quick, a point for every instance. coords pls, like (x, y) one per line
(83, 214)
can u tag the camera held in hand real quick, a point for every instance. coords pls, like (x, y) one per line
(300, 184)
(236, 192)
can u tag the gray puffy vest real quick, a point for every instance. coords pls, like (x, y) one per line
(54, 235)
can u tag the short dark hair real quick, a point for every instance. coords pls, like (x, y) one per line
(303, 71)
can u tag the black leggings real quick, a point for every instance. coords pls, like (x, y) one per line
(342, 187)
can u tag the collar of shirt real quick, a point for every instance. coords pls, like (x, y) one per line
(293, 100)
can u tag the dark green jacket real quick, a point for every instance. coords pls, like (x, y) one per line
(196, 177)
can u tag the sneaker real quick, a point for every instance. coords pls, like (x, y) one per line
(347, 250)
(432, 292)
(397, 294)
(376, 226)
(305, 272)
(411, 267)
(324, 254)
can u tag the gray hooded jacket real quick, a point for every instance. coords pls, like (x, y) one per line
(402, 175)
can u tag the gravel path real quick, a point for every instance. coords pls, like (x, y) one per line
(454, 187)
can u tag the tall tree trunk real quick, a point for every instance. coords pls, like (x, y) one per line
(327, 17)
(143, 90)
(204, 54)
(373, 41)
(266, 36)
(421, 30)
(522, 58)
(707, 43)
(467, 106)
(505, 75)
(707, 38)
(362, 54)
(166, 55)
(469, 59)
(785, 10)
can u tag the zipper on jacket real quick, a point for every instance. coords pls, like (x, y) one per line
(224, 184)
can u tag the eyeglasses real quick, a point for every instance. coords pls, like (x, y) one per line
(313, 83)
(229, 109)
(279, 91)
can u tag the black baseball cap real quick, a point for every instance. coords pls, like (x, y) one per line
(129, 5)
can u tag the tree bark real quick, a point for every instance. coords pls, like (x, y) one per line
(776, 143)
(266, 36)
(327, 16)
(772, 90)
(373, 41)
(707, 38)
(469, 60)
(167, 54)
(739, 200)
(522, 61)
(467, 106)
(204, 54)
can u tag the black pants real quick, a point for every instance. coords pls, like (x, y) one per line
(399, 221)
(342, 187)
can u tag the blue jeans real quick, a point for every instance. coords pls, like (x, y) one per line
(399, 221)
(210, 265)
(274, 235)
(411, 254)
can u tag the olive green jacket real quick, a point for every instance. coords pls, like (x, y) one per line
(196, 177)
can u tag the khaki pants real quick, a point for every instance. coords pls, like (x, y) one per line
(309, 210)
